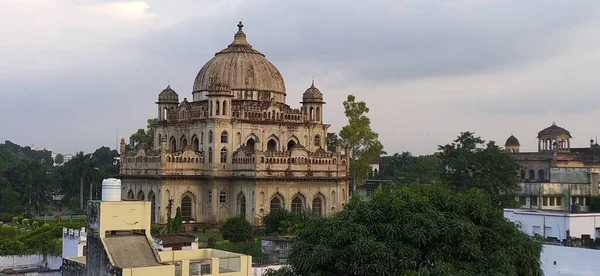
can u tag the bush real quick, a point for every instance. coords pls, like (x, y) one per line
(284, 222)
(15, 219)
(25, 221)
(19, 209)
(211, 242)
(35, 224)
(252, 248)
(205, 228)
(28, 216)
(237, 229)
(195, 229)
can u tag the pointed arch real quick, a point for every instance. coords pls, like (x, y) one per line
(195, 143)
(238, 138)
(272, 143)
(224, 137)
(172, 144)
(318, 140)
(224, 155)
(241, 202)
(130, 194)
(217, 108)
(210, 136)
(318, 204)
(140, 195)
(183, 142)
(276, 203)
(224, 107)
(152, 199)
(292, 142)
(210, 155)
(298, 203)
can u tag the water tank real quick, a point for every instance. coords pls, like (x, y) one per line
(576, 208)
(111, 189)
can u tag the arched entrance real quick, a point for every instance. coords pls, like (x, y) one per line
(152, 199)
(186, 208)
(272, 145)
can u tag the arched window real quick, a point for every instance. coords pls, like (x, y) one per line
(317, 205)
(222, 197)
(297, 204)
(522, 174)
(242, 204)
(541, 175)
(186, 208)
(224, 155)
(152, 199)
(130, 195)
(202, 138)
(140, 195)
(318, 140)
(210, 136)
(251, 143)
(312, 114)
(238, 138)
(196, 144)
(318, 114)
(273, 114)
(272, 145)
(183, 142)
(531, 175)
(224, 107)
(210, 155)
(210, 107)
(217, 108)
(172, 144)
(276, 204)
(224, 138)
(291, 144)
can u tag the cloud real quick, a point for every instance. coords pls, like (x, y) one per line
(74, 72)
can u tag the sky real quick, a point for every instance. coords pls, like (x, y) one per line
(73, 73)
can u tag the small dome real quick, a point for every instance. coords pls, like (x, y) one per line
(553, 131)
(168, 95)
(185, 104)
(512, 141)
(241, 68)
(312, 94)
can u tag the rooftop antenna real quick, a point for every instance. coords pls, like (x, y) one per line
(313, 81)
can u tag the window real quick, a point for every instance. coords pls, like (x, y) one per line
(152, 199)
(545, 201)
(130, 195)
(223, 197)
(217, 108)
(317, 206)
(209, 197)
(318, 140)
(242, 203)
(224, 137)
(172, 144)
(533, 201)
(522, 174)
(210, 136)
(541, 174)
(531, 175)
(552, 201)
(523, 200)
(186, 208)
(224, 155)
(559, 201)
(224, 107)
(196, 144)
(297, 205)
(272, 145)
(275, 204)
(210, 155)
(586, 202)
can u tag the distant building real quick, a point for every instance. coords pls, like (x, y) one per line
(556, 177)
(558, 225)
(175, 242)
(119, 243)
(74, 242)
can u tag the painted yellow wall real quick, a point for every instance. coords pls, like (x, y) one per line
(124, 215)
(163, 270)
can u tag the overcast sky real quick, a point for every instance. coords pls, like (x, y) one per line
(73, 72)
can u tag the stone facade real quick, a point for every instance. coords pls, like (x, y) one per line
(237, 148)
(557, 177)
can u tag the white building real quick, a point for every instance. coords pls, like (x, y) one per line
(555, 224)
(74, 242)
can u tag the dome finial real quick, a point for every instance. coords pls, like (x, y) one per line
(553, 123)
(240, 26)
(313, 82)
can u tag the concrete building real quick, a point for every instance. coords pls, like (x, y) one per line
(237, 148)
(559, 225)
(175, 242)
(557, 177)
(119, 243)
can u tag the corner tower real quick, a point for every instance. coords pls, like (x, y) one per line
(512, 144)
(312, 104)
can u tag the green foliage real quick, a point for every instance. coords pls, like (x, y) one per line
(252, 248)
(406, 168)
(236, 229)
(332, 141)
(59, 159)
(284, 222)
(35, 224)
(156, 229)
(25, 221)
(470, 162)
(175, 225)
(41, 240)
(15, 219)
(9, 200)
(144, 137)
(595, 203)
(415, 230)
(362, 140)
(211, 242)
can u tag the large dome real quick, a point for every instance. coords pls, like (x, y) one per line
(241, 68)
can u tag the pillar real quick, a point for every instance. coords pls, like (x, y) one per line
(214, 267)
(185, 267)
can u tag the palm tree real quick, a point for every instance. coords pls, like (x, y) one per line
(82, 165)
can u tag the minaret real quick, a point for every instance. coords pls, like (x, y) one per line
(312, 104)
(167, 100)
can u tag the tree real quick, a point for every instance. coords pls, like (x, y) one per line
(415, 230)
(174, 225)
(81, 165)
(470, 162)
(424, 169)
(59, 159)
(362, 140)
(237, 229)
(595, 204)
(332, 141)
(144, 138)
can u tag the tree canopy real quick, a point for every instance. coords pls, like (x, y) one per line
(470, 162)
(363, 141)
(414, 230)
(332, 141)
(144, 137)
